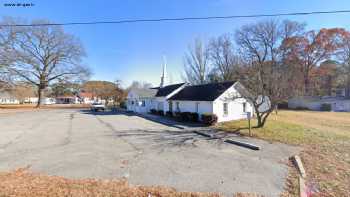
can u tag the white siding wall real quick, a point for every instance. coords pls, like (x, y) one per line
(235, 106)
(9, 101)
(134, 103)
(161, 104)
(190, 106)
(337, 105)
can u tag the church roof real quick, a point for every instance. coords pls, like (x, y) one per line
(166, 90)
(204, 92)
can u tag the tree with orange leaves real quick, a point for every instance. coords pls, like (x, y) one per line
(312, 48)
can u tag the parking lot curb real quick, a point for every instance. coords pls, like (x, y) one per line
(299, 165)
(302, 187)
(243, 144)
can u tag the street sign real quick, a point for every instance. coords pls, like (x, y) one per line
(249, 115)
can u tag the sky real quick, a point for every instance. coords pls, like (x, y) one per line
(135, 51)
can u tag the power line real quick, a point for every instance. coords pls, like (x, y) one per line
(178, 19)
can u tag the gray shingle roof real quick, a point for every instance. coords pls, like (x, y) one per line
(166, 90)
(205, 92)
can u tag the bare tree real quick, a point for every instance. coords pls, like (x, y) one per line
(105, 90)
(265, 79)
(224, 59)
(139, 85)
(6, 39)
(196, 63)
(23, 91)
(43, 54)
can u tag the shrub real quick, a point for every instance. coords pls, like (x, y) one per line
(209, 119)
(301, 108)
(153, 111)
(169, 114)
(186, 116)
(122, 105)
(161, 112)
(326, 107)
(177, 115)
(194, 117)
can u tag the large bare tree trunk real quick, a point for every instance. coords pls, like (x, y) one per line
(307, 90)
(40, 91)
(347, 87)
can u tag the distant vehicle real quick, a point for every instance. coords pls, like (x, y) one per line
(97, 107)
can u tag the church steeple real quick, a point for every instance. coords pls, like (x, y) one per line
(163, 77)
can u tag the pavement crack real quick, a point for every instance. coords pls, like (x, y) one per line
(68, 138)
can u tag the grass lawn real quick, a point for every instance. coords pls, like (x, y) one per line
(325, 139)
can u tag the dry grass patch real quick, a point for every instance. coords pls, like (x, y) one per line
(21, 182)
(53, 106)
(325, 138)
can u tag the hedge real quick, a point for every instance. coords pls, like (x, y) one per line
(160, 112)
(169, 114)
(209, 119)
(326, 107)
(153, 111)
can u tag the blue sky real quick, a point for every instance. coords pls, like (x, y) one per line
(134, 51)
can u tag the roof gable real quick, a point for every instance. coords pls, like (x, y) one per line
(205, 92)
(166, 90)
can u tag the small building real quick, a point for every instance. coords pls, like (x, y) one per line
(6, 98)
(141, 100)
(87, 98)
(31, 100)
(67, 100)
(336, 103)
(222, 99)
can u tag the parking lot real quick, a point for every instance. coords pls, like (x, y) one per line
(80, 144)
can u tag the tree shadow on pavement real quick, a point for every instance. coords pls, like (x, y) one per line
(159, 138)
(157, 119)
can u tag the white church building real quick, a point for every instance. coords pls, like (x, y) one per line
(223, 99)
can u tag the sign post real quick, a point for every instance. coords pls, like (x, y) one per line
(249, 126)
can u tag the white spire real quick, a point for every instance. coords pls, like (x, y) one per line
(163, 78)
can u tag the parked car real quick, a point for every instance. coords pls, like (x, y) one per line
(97, 107)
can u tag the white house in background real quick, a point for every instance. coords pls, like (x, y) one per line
(8, 98)
(222, 99)
(87, 98)
(337, 103)
(67, 100)
(141, 100)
